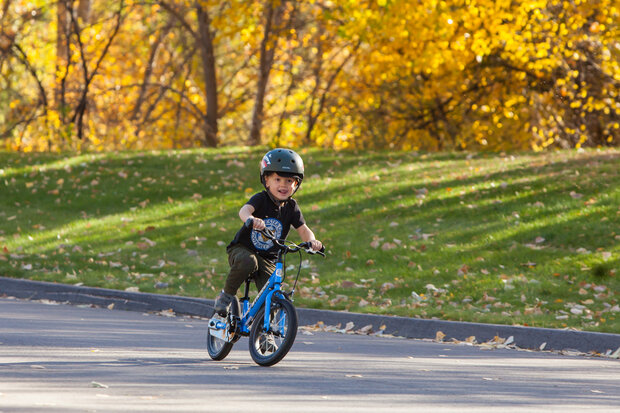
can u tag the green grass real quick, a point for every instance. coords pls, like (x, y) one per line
(525, 238)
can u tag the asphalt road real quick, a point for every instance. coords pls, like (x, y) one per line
(524, 337)
(62, 358)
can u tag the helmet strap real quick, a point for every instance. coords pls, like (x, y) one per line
(273, 198)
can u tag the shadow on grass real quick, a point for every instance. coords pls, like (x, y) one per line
(107, 202)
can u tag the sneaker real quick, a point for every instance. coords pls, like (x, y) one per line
(222, 302)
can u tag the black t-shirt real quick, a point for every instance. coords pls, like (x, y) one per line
(278, 218)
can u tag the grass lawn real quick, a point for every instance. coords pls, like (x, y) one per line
(524, 238)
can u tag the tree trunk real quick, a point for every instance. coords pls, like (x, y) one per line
(149, 70)
(209, 74)
(62, 55)
(312, 115)
(80, 110)
(83, 10)
(267, 51)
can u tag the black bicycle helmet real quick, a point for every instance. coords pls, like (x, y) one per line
(284, 162)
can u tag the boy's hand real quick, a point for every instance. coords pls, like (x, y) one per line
(258, 224)
(316, 245)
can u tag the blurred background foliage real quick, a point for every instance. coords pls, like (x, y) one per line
(427, 75)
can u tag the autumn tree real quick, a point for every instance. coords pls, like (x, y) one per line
(477, 74)
(431, 75)
(272, 26)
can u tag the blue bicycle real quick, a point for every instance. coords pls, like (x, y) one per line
(271, 332)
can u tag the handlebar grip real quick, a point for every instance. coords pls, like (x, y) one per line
(308, 249)
(249, 223)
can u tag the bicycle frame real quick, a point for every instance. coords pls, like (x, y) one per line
(264, 297)
(248, 312)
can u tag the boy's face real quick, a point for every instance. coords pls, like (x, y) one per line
(280, 187)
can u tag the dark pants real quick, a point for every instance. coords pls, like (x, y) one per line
(244, 262)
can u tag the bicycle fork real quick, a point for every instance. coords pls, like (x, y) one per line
(276, 288)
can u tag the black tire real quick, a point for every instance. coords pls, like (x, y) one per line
(269, 347)
(218, 349)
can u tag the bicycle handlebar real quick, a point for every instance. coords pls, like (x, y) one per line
(280, 242)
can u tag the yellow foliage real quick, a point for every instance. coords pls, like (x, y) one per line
(425, 75)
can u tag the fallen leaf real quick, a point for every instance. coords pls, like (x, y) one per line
(149, 242)
(167, 313)
(387, 286)
(388, 246)
(98, 385)
(439, 336)
(366, 329)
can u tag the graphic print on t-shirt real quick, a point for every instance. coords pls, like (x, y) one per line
(263, 244)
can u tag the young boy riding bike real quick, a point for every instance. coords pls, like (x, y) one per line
(281, 173)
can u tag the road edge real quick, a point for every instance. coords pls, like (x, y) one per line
(524, 337)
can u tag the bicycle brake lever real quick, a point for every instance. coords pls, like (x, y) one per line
(313, 252)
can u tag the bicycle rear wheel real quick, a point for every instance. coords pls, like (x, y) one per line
(218, 348)
(269, 347)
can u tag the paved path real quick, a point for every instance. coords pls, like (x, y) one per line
(524, 337)
(60, 358)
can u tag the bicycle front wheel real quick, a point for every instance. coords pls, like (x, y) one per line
(267, 347)
(218, 349)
